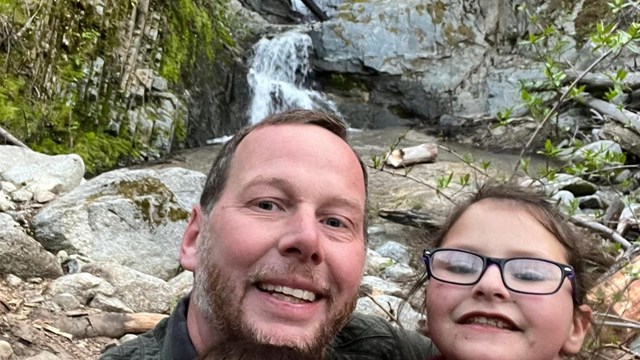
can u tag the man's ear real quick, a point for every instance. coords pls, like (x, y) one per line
(579, 328)
(189, 247)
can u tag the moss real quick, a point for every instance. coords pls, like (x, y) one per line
(347, 16)
(437, 10)
(450, 34)
(346, 82)
(152, 198)
(466, 32)
(401, 112)
(194, 29)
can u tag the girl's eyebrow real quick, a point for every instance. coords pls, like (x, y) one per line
(532, 253)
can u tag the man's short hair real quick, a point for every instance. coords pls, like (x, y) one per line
(219, 172)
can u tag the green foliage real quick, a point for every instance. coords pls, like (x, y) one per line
(47, 61)
(100, 151)
(196, 28)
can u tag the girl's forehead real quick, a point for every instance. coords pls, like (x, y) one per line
(503, 228)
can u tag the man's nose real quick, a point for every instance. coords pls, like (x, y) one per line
(491, 285)
(302, 237)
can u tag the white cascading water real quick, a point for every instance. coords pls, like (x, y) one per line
(277, 75)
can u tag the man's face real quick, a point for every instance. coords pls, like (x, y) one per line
(284, 248)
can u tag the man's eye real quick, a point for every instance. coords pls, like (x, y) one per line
(333, 222)
(267, 205)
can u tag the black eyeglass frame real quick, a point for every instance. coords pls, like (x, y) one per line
(567, 270)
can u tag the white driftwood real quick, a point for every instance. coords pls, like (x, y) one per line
(625, 117)
(601, 81)
(413, 155)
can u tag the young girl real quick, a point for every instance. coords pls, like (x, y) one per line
(505, 280)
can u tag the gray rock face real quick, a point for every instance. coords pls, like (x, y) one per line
(131, 217)
(23, 256)
(461, 57)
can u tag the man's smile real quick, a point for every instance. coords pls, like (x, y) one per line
(286, 293)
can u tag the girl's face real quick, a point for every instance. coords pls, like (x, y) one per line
(487, 321)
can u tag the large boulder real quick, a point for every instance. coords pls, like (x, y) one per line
(134, 218)
(58, 174)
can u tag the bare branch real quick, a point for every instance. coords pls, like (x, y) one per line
(601, 229)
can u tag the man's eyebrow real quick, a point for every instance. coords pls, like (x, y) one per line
(285, 185)
(347, 201)
(267, 180)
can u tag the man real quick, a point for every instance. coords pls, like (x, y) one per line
(277, 246)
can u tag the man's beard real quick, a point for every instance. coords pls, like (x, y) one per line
(221, 305)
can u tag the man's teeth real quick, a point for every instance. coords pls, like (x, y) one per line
(296, 293)
(490, 321)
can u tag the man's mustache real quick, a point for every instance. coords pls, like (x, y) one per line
(300, 271)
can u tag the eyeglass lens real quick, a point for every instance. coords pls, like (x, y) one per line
(534, 276)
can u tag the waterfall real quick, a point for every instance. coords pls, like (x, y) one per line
(277, 75)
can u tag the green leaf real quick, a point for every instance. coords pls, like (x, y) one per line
(485, 164)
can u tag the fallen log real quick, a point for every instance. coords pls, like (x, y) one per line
(628, 139)
(316, 10)
(113, 325)
(601, 82)
(593, 82)
(413, 155)
(10, 139)
(622, 116)
(409, 217)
